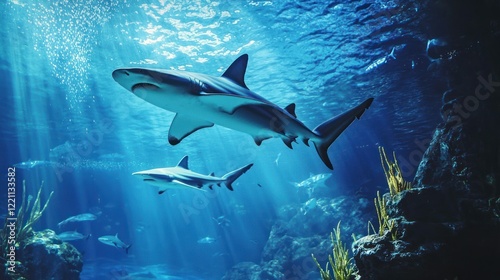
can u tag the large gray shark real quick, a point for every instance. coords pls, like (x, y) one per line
(201, 101)
(180, 177)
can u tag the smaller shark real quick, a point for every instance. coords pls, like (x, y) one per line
(113, 240)
(78, 218)
(73, 235)
(181, 177)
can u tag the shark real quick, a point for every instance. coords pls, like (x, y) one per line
(72, 235)
(181, 177)
(78, 218)
(201, 100)
(313, 180)
(113, 240)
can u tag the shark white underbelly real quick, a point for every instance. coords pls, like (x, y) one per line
(201, 101)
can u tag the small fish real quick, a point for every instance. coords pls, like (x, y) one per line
(313, 180)
(78, 218)
(206, 240)
(381, 61)
(277, 160)
(72, 235)
(113, 240)
(435, 48)
(33, 163)
(309, 205)
(222, 221)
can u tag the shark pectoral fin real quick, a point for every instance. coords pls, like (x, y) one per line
(182, 126)
(187, 185)
(258, 139)
(161, 191)
(228, 103)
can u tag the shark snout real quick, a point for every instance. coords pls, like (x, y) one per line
(136, 79)
(145, 176)
(118, 74)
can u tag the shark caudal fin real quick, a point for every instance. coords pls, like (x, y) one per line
(332, 128)
(128, 247)
(233, 175)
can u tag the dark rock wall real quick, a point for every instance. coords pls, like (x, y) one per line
(448, 226)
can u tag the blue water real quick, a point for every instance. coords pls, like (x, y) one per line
(60, 103)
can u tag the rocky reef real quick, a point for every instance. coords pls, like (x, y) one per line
(301, 230)
(448, 225)
(44, 256)
(36, 255)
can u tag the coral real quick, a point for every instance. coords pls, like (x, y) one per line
(393, 173)
(341, 264)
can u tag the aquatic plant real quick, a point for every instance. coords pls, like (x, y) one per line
(341, 264)
(384, 222)
(393, 173)
(24, 227)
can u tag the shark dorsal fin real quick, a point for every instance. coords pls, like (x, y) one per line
(291, 109)
(116, 235)
(183, 163)
(236, 71)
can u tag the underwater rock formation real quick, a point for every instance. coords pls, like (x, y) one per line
(301, 230)
(440, 235)
(448, 225)
(44, 256)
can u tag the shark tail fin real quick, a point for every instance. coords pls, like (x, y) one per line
(233, 175)
(332, 128)
(126, 248)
